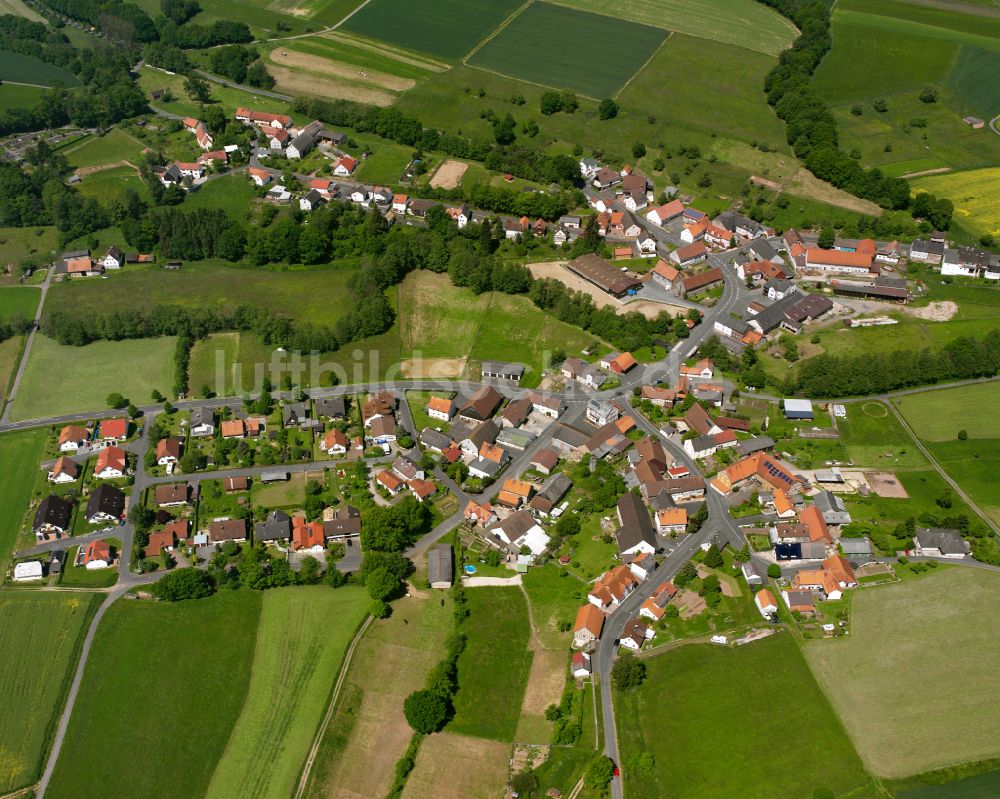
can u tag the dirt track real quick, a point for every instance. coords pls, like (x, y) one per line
(558, 271)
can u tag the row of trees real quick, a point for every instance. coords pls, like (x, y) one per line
(811, 127)
(875, 373)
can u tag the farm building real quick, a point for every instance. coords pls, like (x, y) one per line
(798, 409)
(602, 274)
(440, 566)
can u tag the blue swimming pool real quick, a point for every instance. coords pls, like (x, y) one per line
(470, 569)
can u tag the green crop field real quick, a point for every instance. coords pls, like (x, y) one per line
(973, 465)
(945, 17)
(161, 678)
(714, 720)
(923, 489)
(27, 69)
(14, 96)
(345, 49)
(493, 669)
(301, 641)
(114, 146)
(88, 374)
(974, 193)
(19, 301)
(39, 638)
(444, 28)
(20, 454)
(975, 78)
(523, 49)
(875, 439)
(866, 61)
(917, 633)
(726, 21)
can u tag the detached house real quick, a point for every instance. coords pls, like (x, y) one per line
(63, 471)
(168, 451)
(115, 259)
(106, 504)
(520, 530)
(111, 463)
(202, 422)
(665, 213)
(52, 517)
(334, 442)
(588, 626)
(72, 438)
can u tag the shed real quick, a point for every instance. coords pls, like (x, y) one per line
(274, 476)
(440, 566)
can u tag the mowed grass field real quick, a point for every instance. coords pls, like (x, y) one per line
(162, 690)
(875, 439)
(974, 193)
(493, 669)
(368, 732)
(718, 722)
(20, 453)
(451, 766)
(444, 28)
(524, 49)
(114, 146)
(14, 96)
(88, 374)
(726, 21)
(905, 637)
(971, 463)
(306, 293)
(27, 69)
(19, 301)
(40, 635)
(301, 640)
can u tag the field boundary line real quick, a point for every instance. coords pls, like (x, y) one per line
(331, 708)
(34, 86)
(496, 32)
(645, 64)
(940, 470)
(523, 80)
(403, 56)
(19, 792)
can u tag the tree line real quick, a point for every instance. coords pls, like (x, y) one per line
(810, 126)
(875, 373)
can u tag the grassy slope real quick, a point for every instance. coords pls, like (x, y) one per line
(40, 634)
(521, 49)
(974, 194)
(88, 374)
(301, 641)
(17, 243)
(718, 723)
(20, 453)
(555, 596)
(907, 637)
(493, 669)
(161, 678)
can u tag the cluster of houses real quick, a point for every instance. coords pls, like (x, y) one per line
(956, 261)
(184, 173)
(80, 263)
(284, 138)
